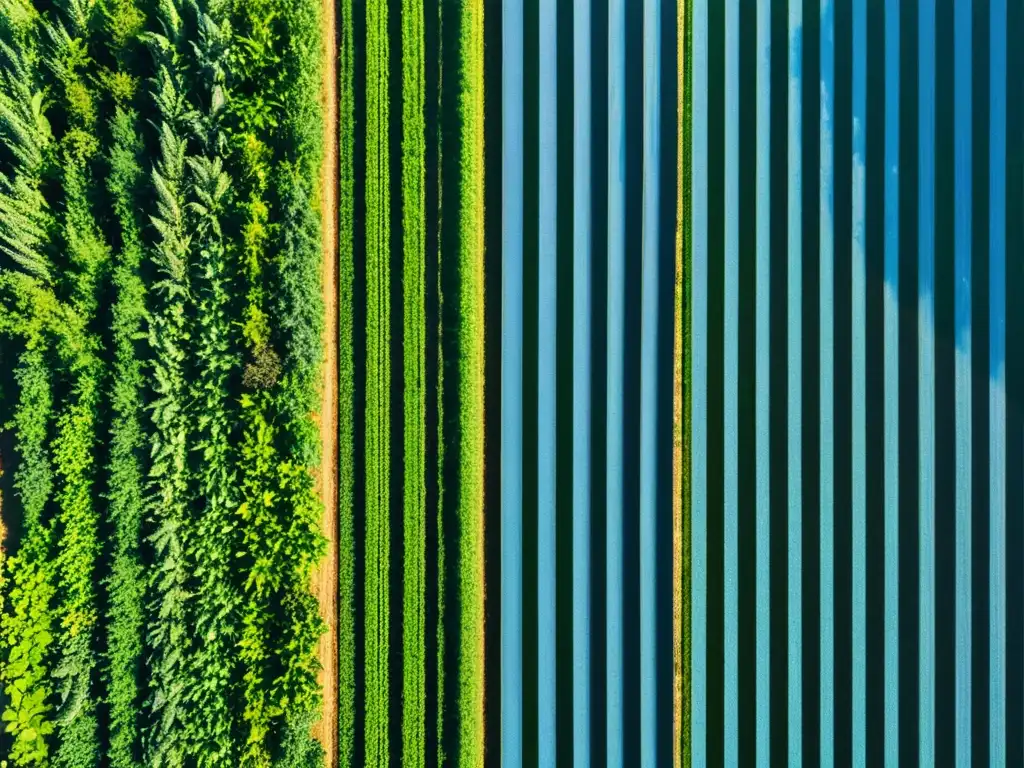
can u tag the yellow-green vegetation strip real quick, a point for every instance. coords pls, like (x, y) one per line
(414, 225)
(677, 419)
(27, 629)
(346, 392)
(378, 385)
(471, 385)
(440, 633)
(686, 72)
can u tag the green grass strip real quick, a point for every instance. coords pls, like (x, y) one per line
(471, 385)
(440, 634)
(346, 392)
(414, 224)
(378, 386)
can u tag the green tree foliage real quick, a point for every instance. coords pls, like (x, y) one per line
(260, 534)
(276, 66)
(170, 331)
(50, 605)
(77, 520)
(25, 137)
(122, 23)
(27, 629)
(299, 313)
(27, 626)
(77, 552)
(210, 738)
(300, 625)
(125, 495)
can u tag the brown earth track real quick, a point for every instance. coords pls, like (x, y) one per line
(325, 579)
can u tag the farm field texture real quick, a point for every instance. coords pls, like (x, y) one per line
(161, 337)
(436, 383)
(332, 407)
(412, 403)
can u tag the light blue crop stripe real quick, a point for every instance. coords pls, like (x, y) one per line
(731, 382)
(826, 298)
(650, 675)
(616, 372)
(962, 386)
(511, 386)
(547, 283)
(581, 387)
(892, 379)
(926, 378)
(794, 384)
(858, 281)
(762, 376)
(997, 384)
(699, 382)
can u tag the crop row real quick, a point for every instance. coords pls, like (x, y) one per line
(160, 303)
(427, 476)
(378, 387)
(414, 356)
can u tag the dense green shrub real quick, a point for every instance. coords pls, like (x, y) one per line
(77, 521)
(27, 630)
(28, 624)
(125, 493)
(168, 637)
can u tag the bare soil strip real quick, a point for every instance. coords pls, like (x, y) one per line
(325, 579)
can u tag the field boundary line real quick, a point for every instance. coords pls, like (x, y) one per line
(326, 575)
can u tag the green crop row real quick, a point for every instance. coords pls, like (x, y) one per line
(414, 281)
(347, 535)
(378, 387)
(124, 583)
(28, 625)
(471, 385)
(442, 263)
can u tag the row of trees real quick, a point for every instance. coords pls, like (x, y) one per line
(160, 303)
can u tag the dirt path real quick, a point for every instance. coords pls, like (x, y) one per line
(325, 579)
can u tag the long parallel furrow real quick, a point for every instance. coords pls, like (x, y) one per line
(415, 416)
(346, 392)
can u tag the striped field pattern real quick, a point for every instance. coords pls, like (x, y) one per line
(857, 499)
(684, 400)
